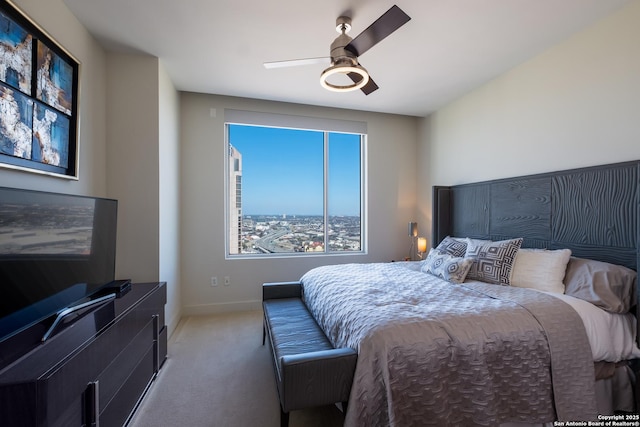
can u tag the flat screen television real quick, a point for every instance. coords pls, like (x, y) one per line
(56, 251)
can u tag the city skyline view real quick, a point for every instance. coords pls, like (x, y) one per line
(278, 201)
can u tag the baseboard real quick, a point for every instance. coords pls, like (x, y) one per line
(204, 309)
(172, 323)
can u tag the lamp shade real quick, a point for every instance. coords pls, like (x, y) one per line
(422, 245)
(413, 229)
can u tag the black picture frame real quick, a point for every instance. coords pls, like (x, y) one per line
(38, 98)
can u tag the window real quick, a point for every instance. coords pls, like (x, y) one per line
(293, 191)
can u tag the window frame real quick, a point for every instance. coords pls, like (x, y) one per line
(327, 126)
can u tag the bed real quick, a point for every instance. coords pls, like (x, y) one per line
(553, 345)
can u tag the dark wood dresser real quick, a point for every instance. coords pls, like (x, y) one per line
(94, 371)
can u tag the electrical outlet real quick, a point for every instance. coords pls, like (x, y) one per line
(214, 281)
(227, 280)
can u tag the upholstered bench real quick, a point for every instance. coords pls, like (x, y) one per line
(308, 370)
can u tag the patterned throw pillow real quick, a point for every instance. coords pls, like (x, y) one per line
(492, 262)
(451, 246)
(447, 267)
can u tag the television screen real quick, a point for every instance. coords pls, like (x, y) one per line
(55, 250)
(53, 226)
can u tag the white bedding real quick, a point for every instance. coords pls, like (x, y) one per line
(611, 336)
(611, 339)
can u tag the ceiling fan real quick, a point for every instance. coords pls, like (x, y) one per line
(345, 51)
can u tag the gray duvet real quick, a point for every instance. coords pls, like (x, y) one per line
(434, 353)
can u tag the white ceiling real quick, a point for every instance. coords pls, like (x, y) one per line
(447, 49)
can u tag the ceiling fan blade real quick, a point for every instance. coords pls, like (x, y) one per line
(297, 62)
(390, 21)
(366, 89)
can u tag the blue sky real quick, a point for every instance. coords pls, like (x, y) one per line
(282, 171)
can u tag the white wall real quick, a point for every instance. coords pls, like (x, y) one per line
(169, 201)
(392, 186)
(575, 105)
(133, 159)
(54, 17)
(143, 157)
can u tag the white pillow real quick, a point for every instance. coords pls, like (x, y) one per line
(540, 269)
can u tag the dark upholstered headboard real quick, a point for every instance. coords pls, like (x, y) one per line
(593, 211)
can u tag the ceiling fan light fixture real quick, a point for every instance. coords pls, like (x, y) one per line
(344, 69)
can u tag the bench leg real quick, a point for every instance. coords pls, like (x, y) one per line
(264, 332)
(284, 418)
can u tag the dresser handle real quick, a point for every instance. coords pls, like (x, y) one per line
(156, 343)
(92, 403)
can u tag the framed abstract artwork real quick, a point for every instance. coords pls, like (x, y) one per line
(38, 98)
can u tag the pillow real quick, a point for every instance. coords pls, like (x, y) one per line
(608, 286)
(540, 269)
(447, 267)
(474, 241)
(452, 246)
(492, 261)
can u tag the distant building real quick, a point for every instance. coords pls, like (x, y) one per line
(235, 201)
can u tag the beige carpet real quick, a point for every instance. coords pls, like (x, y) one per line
(219, 374)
